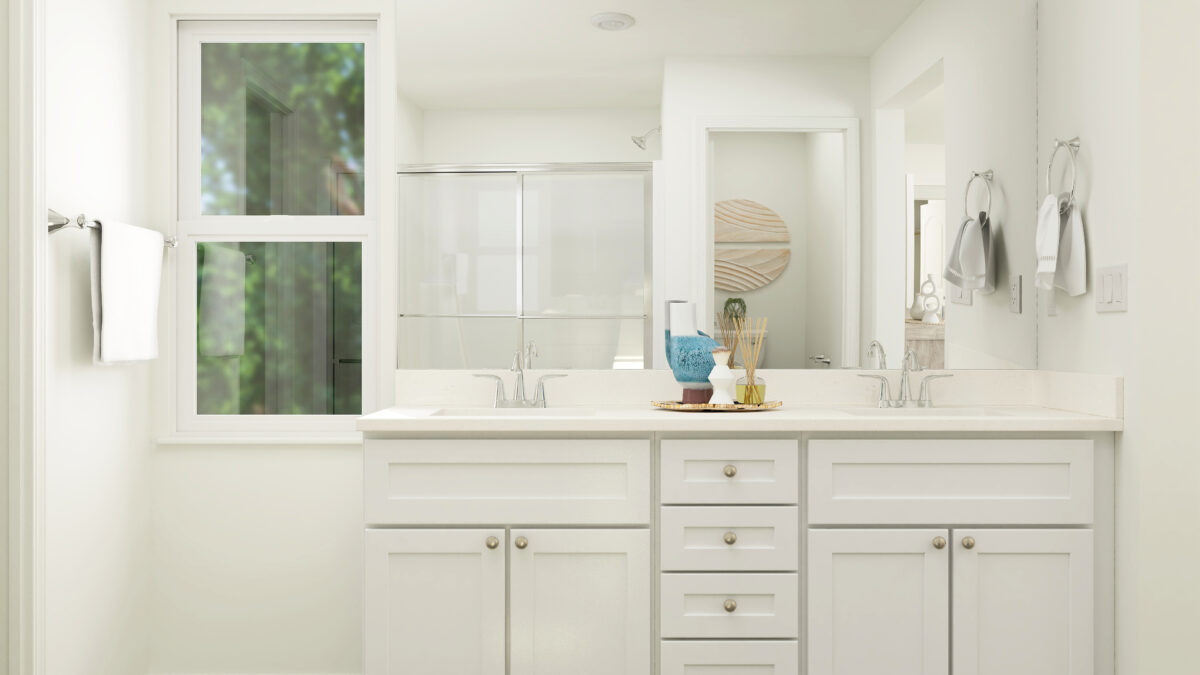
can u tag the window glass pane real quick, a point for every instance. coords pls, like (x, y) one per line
(458, 244)
(584, 248)
(279, 328)
(457, 343)
(282, 128)
(591, 344)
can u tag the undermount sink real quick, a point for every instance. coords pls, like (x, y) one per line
(513, 412)
(927, 412)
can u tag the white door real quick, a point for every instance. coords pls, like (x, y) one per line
(878, 602)
(1023, 602)
(580, 602)
(434, 602)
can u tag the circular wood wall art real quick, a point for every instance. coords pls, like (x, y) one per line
(745, 220)
(745, 269)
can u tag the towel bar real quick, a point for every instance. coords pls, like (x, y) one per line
(57, 221)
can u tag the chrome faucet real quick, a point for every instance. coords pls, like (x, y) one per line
(911, 364)
(875, 351)
(522, 360)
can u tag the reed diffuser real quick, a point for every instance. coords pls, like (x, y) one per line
(750, 335)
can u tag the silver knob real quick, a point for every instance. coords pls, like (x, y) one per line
(521, 542)
(968, 542)
(939, 543)
(492, 542)
(730, 538)
(730, 471)
(731, 605)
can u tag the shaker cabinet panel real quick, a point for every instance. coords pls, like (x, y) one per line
(1023, 602)
(970, 481)
(434, 602)
(730, 657)
(730, 606)
(729, 539)
(735, 471)
(580, 602)
(878, 602)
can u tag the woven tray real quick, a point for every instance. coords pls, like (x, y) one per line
(715, 407)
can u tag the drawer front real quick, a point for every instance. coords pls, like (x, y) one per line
(730, 539)
(698, 657)
(764, 472)
(950, 481)
(517, 482)
(767, 606)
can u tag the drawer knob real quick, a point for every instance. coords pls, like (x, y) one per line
(731, 605)
(730, 471)
(492, 542)
(939, 543)
(968, 542)
(521, 543)
(730, 538)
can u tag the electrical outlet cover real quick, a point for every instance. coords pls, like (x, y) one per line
(1014, 295)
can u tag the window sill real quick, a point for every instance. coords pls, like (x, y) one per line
(333, 439)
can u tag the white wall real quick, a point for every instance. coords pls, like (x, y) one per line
(986, 52)
(1125, 78)
(98, 426)
(538, 136)
(4, 341)
(697, 88)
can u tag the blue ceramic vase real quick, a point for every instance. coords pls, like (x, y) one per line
(691, 361)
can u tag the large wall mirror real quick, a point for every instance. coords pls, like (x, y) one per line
(556, 189)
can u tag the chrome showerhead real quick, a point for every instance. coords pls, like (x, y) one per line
(640, 141)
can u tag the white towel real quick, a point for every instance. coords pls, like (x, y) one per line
(1071, 275)
(1049, 229)
(126, 272)
(953, 272)
(221, 330)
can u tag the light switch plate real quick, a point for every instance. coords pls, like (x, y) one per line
(1050, 299)
(960, 297)
(1014, 294)
(1112, 289)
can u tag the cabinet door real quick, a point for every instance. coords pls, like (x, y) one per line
(1023, 602)
(580, 602)
(434, 602)
(878, 602)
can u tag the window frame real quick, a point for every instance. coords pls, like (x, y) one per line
(192, 227)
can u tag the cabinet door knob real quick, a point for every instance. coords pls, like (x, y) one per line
(492, 542)
(968, 542)
(730, 471)
(521, 542)
(731, 605)
(939, 543)
(730, 538)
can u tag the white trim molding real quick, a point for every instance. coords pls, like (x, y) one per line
(702, 210)
(27, 330)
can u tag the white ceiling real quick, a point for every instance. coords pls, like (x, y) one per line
(544, 53)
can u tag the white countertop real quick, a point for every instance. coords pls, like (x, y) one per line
(795, 418)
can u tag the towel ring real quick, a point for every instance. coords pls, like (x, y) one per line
(1072, 147)
(987, 182)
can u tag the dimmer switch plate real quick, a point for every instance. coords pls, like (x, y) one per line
(958, 296)
(1014, 294)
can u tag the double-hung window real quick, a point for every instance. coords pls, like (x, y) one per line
(277, 205)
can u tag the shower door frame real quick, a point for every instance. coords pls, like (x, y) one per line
(520, 171)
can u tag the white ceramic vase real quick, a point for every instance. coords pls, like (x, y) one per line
(722, 379)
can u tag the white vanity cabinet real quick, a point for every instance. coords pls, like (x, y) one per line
(1007, 597)
(507, 557)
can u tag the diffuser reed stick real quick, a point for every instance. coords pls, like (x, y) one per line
(750, 335)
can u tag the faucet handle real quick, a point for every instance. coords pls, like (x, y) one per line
(885, 389)
(500, 397)
(924, 400)
(517, 361)
(539, 391)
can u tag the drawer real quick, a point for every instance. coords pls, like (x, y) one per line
(767, 606)
(728, 657)
(515, 482)
(950, 481)
(765, 538)
(764, 472)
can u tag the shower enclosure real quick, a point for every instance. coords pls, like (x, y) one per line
(495, 257)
